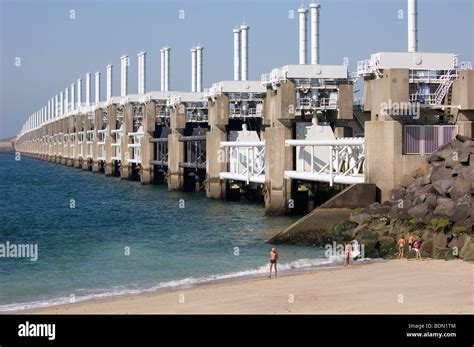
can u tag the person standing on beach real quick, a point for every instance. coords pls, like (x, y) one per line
(410, 241)
(417, 249)
(401, 246)
(347, 253)
(273, 261)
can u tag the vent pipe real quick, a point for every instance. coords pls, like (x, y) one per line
(66, 100)
(88, 89)
(108, 91)
(199, 51)
(123, 75)
(244, 29)
(61, 103)
(314, 7)
(79, 90)
(236, 54)
(167, 69)
(97, 88)
(141, 72)
(73, 96)
(412, 26)
(162, 73)
(193, 70)
(302, 34)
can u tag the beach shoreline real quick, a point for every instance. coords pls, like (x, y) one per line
(388, 287)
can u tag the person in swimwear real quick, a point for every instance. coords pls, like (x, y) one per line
(347, 253)
(273, 261)
(417, 249)
(411, 240)
(401, 246)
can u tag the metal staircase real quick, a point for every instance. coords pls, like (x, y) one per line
(446, 83)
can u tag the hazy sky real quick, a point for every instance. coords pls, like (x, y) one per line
(56, 50)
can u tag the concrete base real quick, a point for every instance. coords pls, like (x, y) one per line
(278, 158)
(176, 155)
(466, 128)
(125, 172)
(146, 175)
(95, 166)
(78, 163)
(215, 164)
(63, 161)
(69, 162)
(109, 169)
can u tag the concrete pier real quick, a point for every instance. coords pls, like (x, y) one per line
(147, 149)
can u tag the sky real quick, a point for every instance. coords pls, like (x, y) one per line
(55, 49)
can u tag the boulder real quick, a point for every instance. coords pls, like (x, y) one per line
(467, 252)
(443, 187)
(440, 240)
(460, 188)
(420, 211)
(360, 218)
(426, 248)
(440, 173)
(427, 235)
(396, 194)
(444, 208)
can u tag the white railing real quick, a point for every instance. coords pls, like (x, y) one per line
(446, 82)
(136, 146)
(116, 144)
(345, 164)
(425, 139)
(246, 161)
(101, 144)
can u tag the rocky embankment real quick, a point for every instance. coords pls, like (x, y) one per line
(435, 204)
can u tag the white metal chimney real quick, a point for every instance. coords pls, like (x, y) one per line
(66, 100)
(123, 75)
(302, 34)
(167, 69)
(199, 51)
(141, 72)
(412, 26)
(314, 7)
(244, 30)
(73, 97)
(79, 93)
(97, 88)
(162, 73)
(56, 106)
(48, 115)
(61, 103)
(236, 54)
(193, 70)
(108, 91)
(88, 89)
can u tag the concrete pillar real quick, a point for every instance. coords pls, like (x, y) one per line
(95, 145)
(63, 142)
(70, 160)
(466, 128)
(343, 131)
(146, 173)
(125, 168)
(278, 158)
(85, 146)
(77, 159)
(216, 162)
(111, 121)
(176, 147)
(383, 154)
(279, 114)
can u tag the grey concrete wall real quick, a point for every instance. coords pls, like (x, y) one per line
(345, 102)
(125, 151)
(146, 171)
(111, 121)
(215, 163)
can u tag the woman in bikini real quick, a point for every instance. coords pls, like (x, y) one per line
(401, 246)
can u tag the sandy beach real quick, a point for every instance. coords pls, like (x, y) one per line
(396, 286)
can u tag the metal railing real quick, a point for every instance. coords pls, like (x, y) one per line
(116, 144)
(246, 161)
(136, 156)
(101, 144)
(345, 164)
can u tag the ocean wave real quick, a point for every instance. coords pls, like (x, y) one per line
(297, 265)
